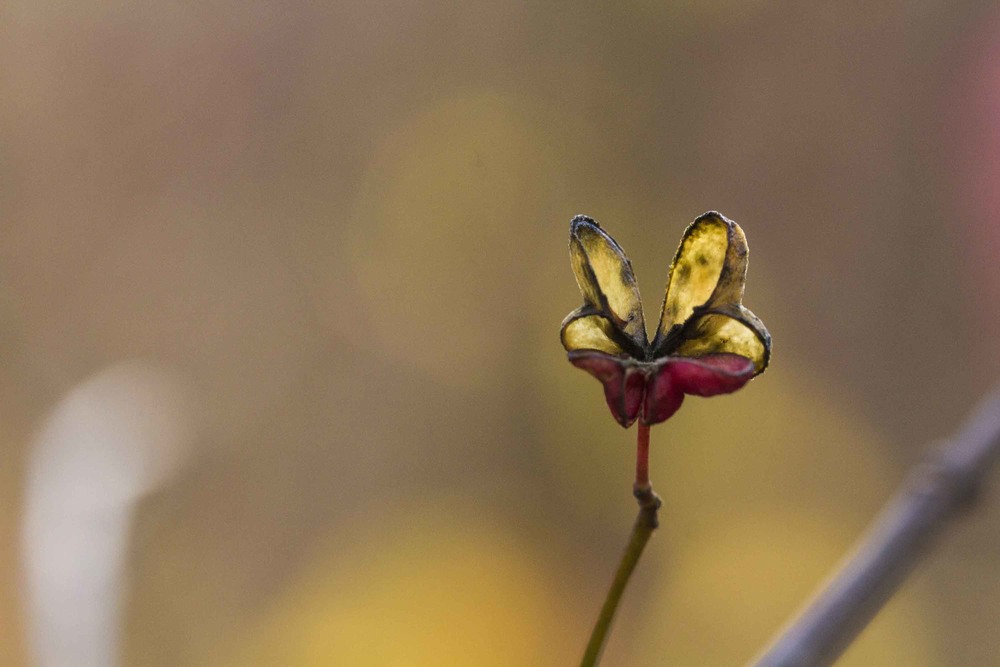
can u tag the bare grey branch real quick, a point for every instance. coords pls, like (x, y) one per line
(932, 494)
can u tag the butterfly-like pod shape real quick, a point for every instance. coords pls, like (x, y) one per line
(706, 342)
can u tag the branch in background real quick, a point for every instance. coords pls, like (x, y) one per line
(935, 492)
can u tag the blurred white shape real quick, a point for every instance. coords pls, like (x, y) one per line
(115, 436)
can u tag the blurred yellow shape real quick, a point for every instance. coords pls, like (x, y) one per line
(723, 596)
(453, 200)
(432, 589)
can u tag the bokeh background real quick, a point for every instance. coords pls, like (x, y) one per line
(280, 288)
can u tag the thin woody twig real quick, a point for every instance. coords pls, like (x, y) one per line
(934, 493)
(645, 523)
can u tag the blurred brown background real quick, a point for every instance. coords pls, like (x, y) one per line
(313, 256)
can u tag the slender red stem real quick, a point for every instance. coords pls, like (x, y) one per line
(643, 528)
(642, 458)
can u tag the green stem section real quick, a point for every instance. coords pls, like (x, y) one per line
(645, 523)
